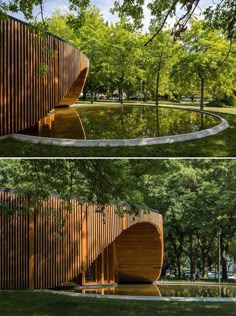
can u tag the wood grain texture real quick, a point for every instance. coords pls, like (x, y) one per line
(25, 95)
(45, 245)
(139, 252)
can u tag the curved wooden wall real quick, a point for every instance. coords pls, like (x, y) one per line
(50, 244)
(139, 252)
(25, 96)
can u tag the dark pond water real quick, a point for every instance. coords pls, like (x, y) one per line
(120, 122)
(165, 290)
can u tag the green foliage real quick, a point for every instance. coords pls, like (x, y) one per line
(207, 58)
(43, 70)
(228, 100)
(120, 63)
(221, 16)
(27, 6)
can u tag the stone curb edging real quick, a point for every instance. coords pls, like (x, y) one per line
(194, 283)
(128, 142)
(144, 298)
(4, 137)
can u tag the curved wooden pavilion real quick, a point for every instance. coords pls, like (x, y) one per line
(26, 93)
(49, 245)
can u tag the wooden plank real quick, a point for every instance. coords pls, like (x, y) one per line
(31, 249)
(111, 268)
(84, 242)
(100, 269)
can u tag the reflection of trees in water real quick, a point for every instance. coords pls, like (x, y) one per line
(141, 121)
(157, 121)
(202, 121)
(168, 290)
(197, 291)
(122, 117)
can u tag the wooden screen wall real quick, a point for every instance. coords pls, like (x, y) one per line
(25, 95)
(48, 245)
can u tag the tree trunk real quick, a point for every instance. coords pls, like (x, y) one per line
(121, 95)
(178, 266)
(84, 93)
(178, 250)
(164, 267)
(192, 259)
(204, 262)
(144, 92)
(158, 122)
(158, 82)
(91, 95)
(223, 246)
(202, 93)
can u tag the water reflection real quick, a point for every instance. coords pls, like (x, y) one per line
(197, 290)
(120, 122)
(172, 290)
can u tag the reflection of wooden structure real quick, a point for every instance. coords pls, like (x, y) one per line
(47, 122)
(37, 251)
(26, 95)
(62, 123)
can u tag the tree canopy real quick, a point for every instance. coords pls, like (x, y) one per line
(199, 63)
(221, 15)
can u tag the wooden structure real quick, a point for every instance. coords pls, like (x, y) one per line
(27, 94)
(46, 246)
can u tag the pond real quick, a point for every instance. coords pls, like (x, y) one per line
(120, 122)
(164, 290)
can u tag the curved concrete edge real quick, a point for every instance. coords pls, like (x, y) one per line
(144, 298)
(128, 142)
(4, 137)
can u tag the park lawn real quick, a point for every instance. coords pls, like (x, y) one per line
(17, 303)
(220, 145)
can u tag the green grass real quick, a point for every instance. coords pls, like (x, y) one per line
(16, 303)
(220, 145)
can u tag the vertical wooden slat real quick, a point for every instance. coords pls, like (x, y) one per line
(84, 242)
(31, 250)
(31, 257)
(111, 268)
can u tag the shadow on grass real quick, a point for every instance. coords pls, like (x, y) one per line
(47, 304)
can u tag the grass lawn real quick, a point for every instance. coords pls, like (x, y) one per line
(220, 145)
(16, 303)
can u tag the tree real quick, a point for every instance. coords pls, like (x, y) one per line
(204, 64)
(196, 200)
(92, 38)
(57, 24)
(222, 16)
(125, 53)
(160, 56)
